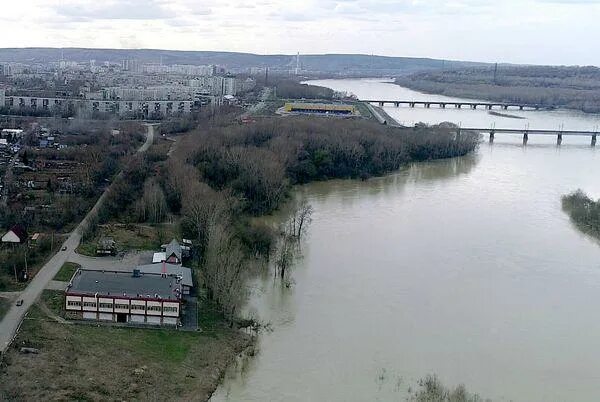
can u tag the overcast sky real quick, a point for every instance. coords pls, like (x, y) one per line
(519, 31)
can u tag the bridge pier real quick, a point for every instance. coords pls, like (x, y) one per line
(505, 107)
(381, 104)
(525, 138)
(411, 104)
(473, 106)
(594, 140)
(488, 107)
(458, 105)
(492, 137)
(427, 105)
(443, 105)
(397, 104)
(521, 107)
(559, 139)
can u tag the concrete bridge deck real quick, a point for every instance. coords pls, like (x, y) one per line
(527, 132)
(456, 104)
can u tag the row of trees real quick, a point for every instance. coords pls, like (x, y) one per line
(568, 87)
(259, 162)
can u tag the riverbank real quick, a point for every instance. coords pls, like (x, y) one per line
(384, 293)
(573, 88)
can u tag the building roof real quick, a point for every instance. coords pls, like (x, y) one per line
(172, 270)
(159, 257)
(173, 248)
(16, 234)
(112, 283)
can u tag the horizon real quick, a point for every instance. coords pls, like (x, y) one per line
(292, 55)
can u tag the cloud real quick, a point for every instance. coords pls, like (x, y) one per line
(523, 31)
(113, 10)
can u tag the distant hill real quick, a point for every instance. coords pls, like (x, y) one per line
(345, 64)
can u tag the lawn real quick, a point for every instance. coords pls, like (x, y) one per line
(66, 271)
(88, 362)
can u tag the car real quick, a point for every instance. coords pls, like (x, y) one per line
(64, 248)
(19, 302)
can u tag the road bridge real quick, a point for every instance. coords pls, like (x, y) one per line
(527, 132)
(457, 104)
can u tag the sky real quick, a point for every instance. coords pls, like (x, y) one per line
(564, 32)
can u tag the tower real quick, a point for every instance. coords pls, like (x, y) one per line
(297, 63)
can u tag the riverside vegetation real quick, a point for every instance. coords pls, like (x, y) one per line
(215, 181)
(583, 211)
(549, 86)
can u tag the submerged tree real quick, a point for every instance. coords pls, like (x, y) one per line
(291, 235)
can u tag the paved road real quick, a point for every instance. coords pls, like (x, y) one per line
(14, 316)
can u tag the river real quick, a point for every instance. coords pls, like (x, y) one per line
(464, 268)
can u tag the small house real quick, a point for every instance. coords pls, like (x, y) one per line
(173, 252)
(17, 234)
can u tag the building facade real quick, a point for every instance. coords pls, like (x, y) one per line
(124, 297)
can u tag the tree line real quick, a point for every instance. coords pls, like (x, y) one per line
(549, 86)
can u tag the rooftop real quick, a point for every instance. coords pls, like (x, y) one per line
(172, 269)
(112, 283)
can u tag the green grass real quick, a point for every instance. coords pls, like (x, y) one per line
(66, 271)
(363, 110)
(55, 300)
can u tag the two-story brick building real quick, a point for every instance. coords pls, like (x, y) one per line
(125, 297)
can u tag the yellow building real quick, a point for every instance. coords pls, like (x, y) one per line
(320, 108)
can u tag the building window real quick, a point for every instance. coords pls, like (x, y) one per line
(74, 303)
(106, 305)
(122, 306)
(138, 307)
(89, 304)
(154, 308)
(170, 309)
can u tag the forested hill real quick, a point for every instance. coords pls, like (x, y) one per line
(346, 64)
(553, 86)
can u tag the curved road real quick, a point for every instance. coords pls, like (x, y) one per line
(14, 316)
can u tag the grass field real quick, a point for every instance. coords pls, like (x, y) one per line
(66, 271)
(87, 362)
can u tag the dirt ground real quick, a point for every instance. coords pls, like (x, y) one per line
(99, 363)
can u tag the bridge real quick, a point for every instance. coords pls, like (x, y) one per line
(456, 104)
(527, 132)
